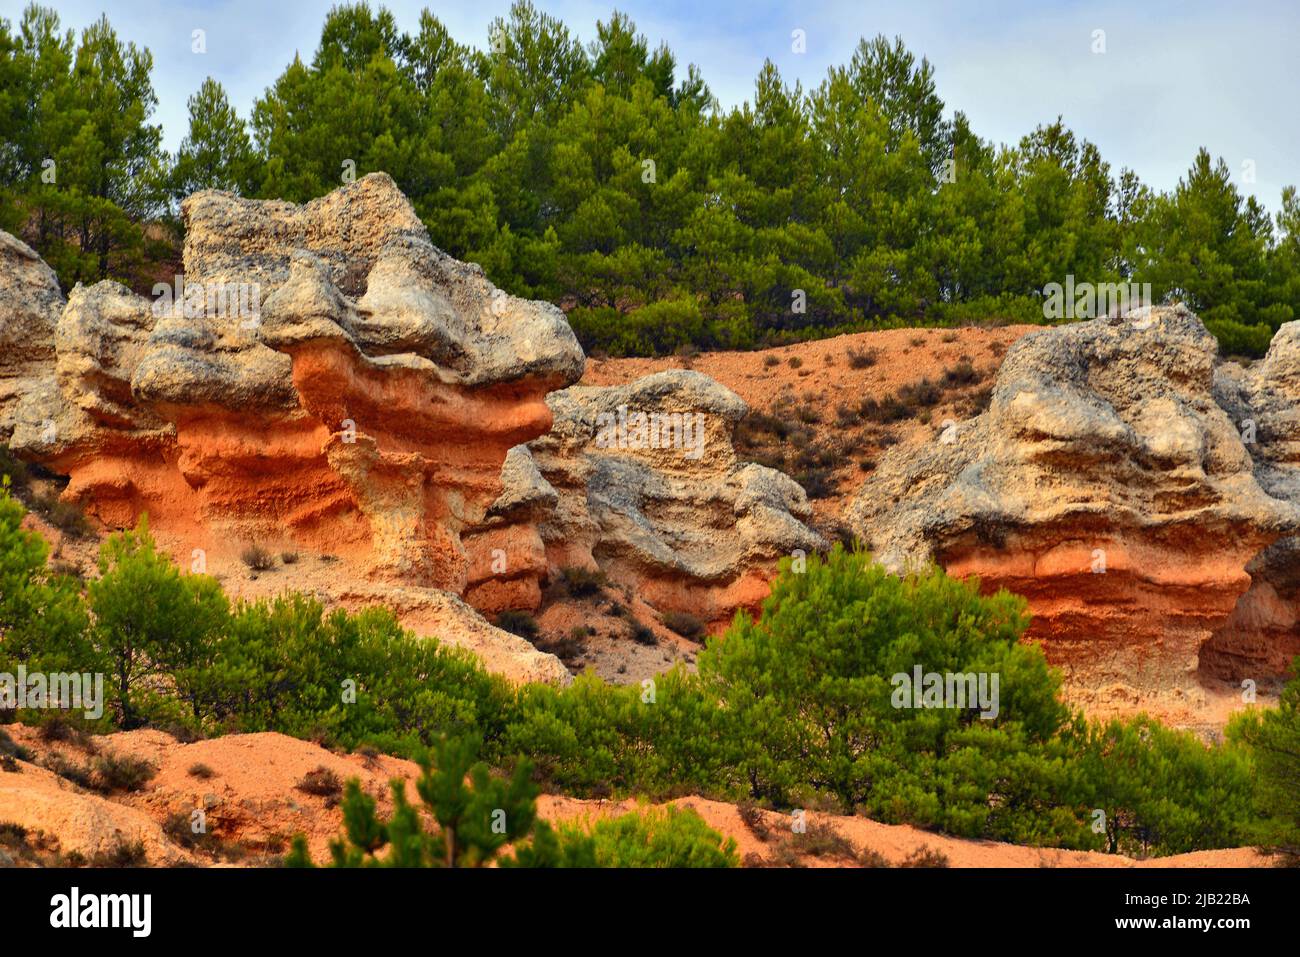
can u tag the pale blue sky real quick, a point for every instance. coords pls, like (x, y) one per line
(1176, 74)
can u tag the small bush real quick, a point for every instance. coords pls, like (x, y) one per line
(67, 517)
(257, 558)
(126, 854)
(754, 818)
(321, 782)
(823, 840)
(794, 362)
(180, 828)
(519, 623)
(289, 558)
(688, 626)
(582, 582)
(10, 748)
(642, 634)
(925, 857)
(201, 771)
(667, 837)
(770, 360)
(920, 395)
(863, 358)
(122, 772)
(963, 373)
(58, 727)
(20, 476)
(78, 774)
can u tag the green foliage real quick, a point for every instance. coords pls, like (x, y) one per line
(654, 837)
(216, 153)
(1237, 339)
(608, 180)
(810, 693)
(1161, 790)
(793, 708)
(151, 620)
(83, 168)
(477, 815)
(43, 621)
(662, 738)
(1272, 741)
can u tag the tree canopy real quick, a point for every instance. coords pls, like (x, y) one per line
(608, 179)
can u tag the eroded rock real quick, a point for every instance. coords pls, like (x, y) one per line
(648, 488)
(1107, 484)
(324, 378)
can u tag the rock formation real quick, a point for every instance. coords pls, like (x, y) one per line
(642, 481)
(30, 304)
(1262, 635)
(324, 377)
(1113, 485)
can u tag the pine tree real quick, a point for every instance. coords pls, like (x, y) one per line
(216, 153)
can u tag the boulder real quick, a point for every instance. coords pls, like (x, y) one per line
(322, 377)
(647, 487)
(1110, 485)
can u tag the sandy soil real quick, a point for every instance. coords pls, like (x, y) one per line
(825, 374)
(250, 789)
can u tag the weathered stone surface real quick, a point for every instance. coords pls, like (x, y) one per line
(30, 304)
(84, 823)
(1108, 485)
(649, 489)
(1262, 636)
(325, 378)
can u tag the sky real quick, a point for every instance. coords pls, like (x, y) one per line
(1175, 75)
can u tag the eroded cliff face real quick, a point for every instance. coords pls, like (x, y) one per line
(326, 379)
(1262, 635)
(323, 378)
(1110, 485)
(642, 481)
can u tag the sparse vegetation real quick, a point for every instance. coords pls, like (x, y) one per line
(67, 517)
(321, 782)
(257, 558)
(863, 358)
(925, 857)
(15, 470)
(201, 771)
(121, 772)
(519, 623)
(126, 854)
(582, 582)
(686, 625)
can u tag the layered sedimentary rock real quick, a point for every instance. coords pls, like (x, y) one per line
(324, 378)
(642, 481)
(30, 305)
(1110, 485)
(1262, 636)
